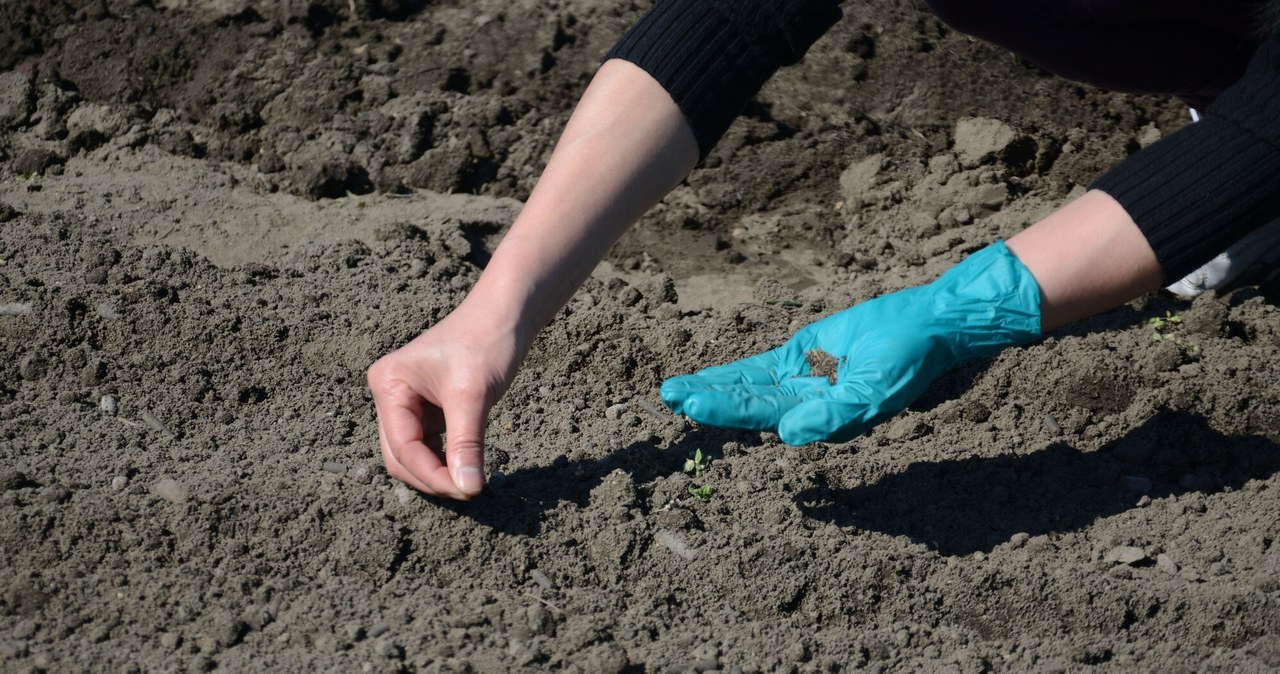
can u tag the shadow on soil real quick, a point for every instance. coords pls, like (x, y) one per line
(954, 507)
(964, 506)
(517, 504)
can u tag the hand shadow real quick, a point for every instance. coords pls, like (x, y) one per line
(517, 504)
(963, 506)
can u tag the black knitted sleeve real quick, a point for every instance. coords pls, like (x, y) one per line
(712, 56)
(1200, 190)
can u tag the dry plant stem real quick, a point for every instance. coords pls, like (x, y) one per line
(1088, 257)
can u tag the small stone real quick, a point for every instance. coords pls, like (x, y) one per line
(1144, 501)
(107, 312)
(542, 579)
(170, 490)
(335, 467)
(1019, 539)
(1054, 667)
(614, 412)
(1166, 564)
(404, 494)
(170, 641)
(1126, 554)
(1051, 425)
(108, 405)
(497, 479)
(378, 630)
(119, 482)
(387, 649)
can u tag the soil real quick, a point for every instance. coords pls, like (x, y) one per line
(215, 215)
(822, 364)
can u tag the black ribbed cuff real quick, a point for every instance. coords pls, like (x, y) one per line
(1197, 192)
(701, 59)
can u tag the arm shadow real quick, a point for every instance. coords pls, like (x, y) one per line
(963, 506)
(518, 502)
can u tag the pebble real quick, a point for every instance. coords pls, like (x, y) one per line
(1166, 564)
(378, 630)
(15, 309)
(1126, 554)
(387, 649)
(541, 578)
(675, 544)
(404, 494)
(497, 478)
(170, 641)
(108, 312)
(1052, 425)
(119, 482)
(614, 412)
(1144, 501)
(335, 467)
(170, 490)
(1019, 539)
(108, 405)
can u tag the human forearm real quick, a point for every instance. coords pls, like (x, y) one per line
(1087, 257)
(625, 147)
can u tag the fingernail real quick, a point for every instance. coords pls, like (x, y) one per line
(469, 479)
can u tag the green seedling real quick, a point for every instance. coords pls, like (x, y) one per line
(698, 464)
(1166, 330)
(1158, 324)
(703, 492)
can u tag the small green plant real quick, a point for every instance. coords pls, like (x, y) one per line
(1166, 329)
(698, 464)
(703, 492)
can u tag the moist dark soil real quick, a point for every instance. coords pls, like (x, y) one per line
(215, 215)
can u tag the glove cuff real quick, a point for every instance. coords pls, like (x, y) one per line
(988, 302)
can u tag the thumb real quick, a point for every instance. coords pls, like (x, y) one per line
(464, 422)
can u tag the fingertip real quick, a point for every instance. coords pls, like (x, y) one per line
(469, 480)
(673, 395)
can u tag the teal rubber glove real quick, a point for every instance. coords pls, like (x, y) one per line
(889, 349)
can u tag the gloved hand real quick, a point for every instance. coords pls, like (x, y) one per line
(888, 350)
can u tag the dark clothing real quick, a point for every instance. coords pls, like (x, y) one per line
(1188, 48)
(1192, 194)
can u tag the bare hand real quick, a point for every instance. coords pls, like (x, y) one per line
(446, 378)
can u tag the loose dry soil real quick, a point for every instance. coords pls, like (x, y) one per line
(215, 215)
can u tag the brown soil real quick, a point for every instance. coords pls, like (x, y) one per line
(215, 215)
(822, 364)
